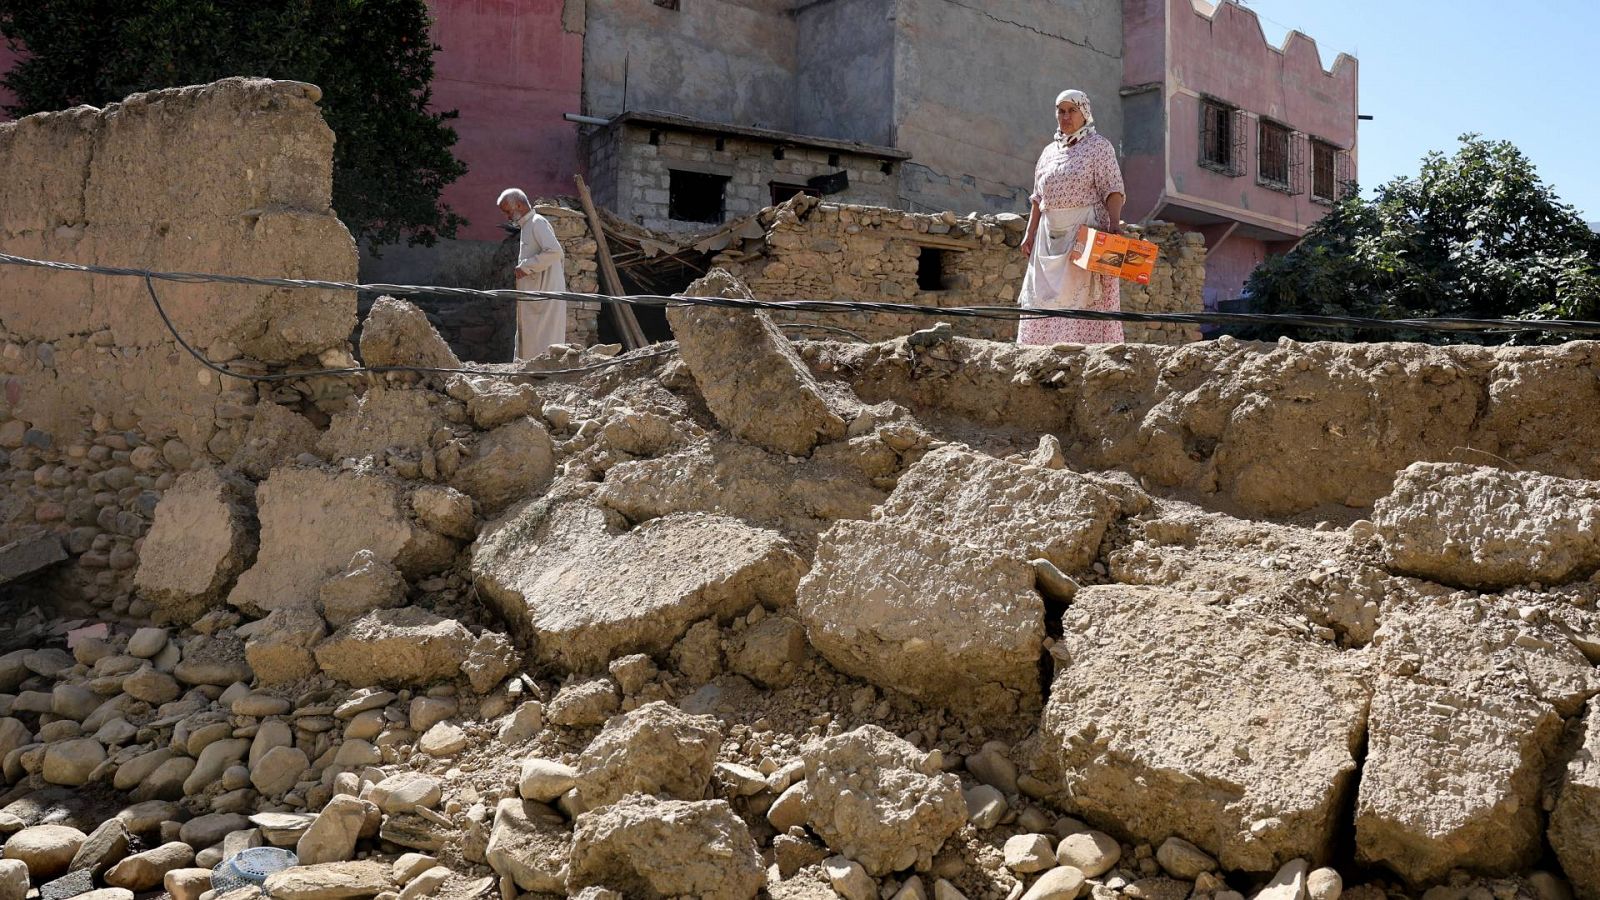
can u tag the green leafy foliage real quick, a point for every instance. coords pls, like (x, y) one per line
(1474, 235)
(372, 59)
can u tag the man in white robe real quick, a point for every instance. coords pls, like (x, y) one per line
(540, 323)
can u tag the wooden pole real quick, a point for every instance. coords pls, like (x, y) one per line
(610, 282)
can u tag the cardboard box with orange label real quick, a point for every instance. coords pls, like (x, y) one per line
(1112, 254)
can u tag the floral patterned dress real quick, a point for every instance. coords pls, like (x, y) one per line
(1070, 184)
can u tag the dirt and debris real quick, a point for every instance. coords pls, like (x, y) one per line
(759, 618)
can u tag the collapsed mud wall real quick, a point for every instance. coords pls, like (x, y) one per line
(1259, 428)
(100, 406)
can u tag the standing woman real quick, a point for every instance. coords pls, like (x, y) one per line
(1077, 182)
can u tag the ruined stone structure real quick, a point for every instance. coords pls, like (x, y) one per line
(102, 408)
(819, 250)
(927, 616)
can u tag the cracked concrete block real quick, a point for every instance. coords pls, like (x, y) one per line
(1480, 527)
(948, 623)
(313, 521)
(579, 590)
(202, 538)
(1196, 746)
(751, 378)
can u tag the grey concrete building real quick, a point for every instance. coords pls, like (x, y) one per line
(922, 104)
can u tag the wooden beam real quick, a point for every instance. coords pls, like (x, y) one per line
(939, 240)
(610, 282)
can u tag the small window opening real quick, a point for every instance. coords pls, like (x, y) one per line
(697, 197)
(782, 192)
(931, 270)
(777, 153)
(833, 160)
(721, 144)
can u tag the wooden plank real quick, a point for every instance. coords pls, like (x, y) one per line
(610, 282)
(939, 240)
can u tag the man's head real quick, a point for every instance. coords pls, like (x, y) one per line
(514, 203)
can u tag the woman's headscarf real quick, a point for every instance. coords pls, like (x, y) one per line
(1081, 101)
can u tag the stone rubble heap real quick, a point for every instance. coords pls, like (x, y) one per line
(729, 624)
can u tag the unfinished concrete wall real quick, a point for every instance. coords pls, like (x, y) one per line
(638, 178)
(721, 60)
(845, 77)
(819, 250)
(100, 407)
(974, 87)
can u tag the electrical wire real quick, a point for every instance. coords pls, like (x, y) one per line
(1007, 313)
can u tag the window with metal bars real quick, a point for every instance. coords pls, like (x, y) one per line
(1222, 137)
(1272, 154)
(1324, 171)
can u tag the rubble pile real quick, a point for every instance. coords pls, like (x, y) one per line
(809, 620)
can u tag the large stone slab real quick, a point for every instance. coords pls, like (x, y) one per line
(312, 523)
(880, 801)
(1474, 526)
(1575, 822)
(1022, 510)
(383, 419)
(398, 333)
(203, 536)
(395, 646)
(1169, 716)
(579, 590)
(23, 557)
(646, 847)
(1452, 780)
(1464, 723)
(752, 379)
(945, 622)
(513, 462)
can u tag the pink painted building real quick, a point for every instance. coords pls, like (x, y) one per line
(512, 70)
(8, 58)
(1227, 135)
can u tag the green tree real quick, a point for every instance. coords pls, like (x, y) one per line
(1475, 235)
(372, 58)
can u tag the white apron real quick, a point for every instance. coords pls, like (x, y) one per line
(543, 322)
(1052, 281)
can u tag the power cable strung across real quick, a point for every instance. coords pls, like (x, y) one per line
(838, 307)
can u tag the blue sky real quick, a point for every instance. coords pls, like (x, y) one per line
(1432, 70)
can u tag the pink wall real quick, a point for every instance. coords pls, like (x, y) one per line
(1229, 266)
(8, 58)
(511, 70)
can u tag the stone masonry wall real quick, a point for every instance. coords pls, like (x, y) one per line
(821, 250)
(100, 409)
